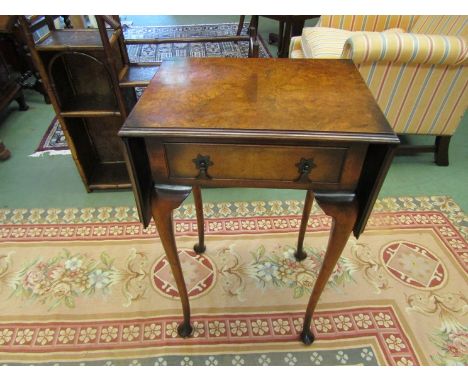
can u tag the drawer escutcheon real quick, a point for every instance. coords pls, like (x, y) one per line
(202, 162)
(304, 167)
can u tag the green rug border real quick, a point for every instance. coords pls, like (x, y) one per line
(25, 216)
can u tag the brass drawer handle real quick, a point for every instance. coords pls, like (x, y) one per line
(304, 167)
(202, 162)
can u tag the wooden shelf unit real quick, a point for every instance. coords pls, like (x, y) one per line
(80, 69)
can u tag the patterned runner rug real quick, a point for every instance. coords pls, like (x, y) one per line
(89, 286)
(53, 141)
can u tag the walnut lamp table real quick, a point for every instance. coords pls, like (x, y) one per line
(269, 123)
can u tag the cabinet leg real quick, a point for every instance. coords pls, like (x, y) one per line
(254, 22)
(240, 26)
(23, 106)
(442, 143)
(200, 247)
(164, 200)
(344, 216)
(300, 254)
(283, 47)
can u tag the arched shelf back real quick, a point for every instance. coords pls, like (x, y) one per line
(84, 81)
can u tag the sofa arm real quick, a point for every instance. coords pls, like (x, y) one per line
(295, 48)
(406, 48)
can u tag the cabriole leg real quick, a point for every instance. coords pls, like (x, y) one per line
(200, 246)
(165, 200)
(309, 200)
(344, 216)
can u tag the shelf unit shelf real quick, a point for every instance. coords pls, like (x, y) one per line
(109, 175)
(140, 74)
(72, 39)
(89, 113)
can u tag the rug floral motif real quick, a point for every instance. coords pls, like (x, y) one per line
(54, 142)
(91, 286)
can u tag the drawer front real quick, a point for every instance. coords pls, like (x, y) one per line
(263, 163)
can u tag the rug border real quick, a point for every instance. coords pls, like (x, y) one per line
(72, 215)
(166, 340)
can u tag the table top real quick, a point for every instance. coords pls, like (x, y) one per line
(259, 97)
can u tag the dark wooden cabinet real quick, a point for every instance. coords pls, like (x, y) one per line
(10, 89)
(18, 57)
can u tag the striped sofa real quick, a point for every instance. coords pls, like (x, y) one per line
(417, 73)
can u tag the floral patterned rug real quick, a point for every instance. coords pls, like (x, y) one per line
(90, 286)
(53, 142)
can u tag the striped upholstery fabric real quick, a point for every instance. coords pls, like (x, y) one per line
(444, 25)
(295, 48)
(419, 79)
(320, 42)
(405, 48)
(367, 23)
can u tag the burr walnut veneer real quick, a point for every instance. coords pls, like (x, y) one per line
(273, 123)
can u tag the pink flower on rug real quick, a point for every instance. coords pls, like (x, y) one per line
(33, 278)
(458, 345)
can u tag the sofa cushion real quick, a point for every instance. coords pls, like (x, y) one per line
(321, 42)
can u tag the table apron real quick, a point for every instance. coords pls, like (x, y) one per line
(318, 166)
